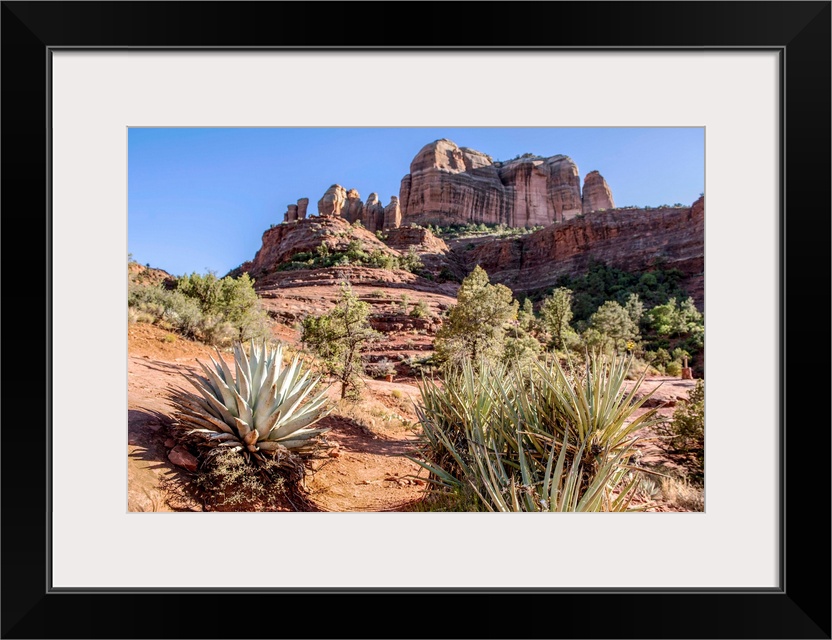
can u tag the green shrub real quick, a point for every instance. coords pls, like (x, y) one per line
(673, 369)
(354, 254)
(446, 275)
(203, 307)
(404, 299)
(687, 428)
(420, 310)
(411, 261)
(520, 347)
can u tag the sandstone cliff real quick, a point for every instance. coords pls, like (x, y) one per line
(448, 184)
(629, 239)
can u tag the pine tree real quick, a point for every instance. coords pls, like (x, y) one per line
(475, 327)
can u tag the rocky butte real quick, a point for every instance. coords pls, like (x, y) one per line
(448, 184)
(282, 242)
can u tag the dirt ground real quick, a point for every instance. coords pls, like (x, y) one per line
(366, 469)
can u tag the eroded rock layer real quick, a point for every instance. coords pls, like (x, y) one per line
(629, 239)
(284, 241)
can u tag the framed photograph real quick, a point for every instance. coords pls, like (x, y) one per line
(81, 79)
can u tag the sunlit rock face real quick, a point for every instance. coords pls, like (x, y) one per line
(596, 194)
(448, 184)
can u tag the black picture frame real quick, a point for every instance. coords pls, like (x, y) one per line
(799, 608)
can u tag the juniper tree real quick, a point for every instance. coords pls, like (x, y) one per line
(337, 338)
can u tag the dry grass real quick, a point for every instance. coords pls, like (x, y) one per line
(374, 416)
(682, 494)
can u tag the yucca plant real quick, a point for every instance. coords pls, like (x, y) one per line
(501, 430)
(260, 412)
(526, 485)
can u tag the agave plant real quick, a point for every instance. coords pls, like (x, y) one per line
(261, 411)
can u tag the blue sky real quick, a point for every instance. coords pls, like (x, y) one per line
(200, 199)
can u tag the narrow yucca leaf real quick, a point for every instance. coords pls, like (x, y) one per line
(486, 480)
(625, 497)
(445, 478)
(556, 479)
(525, 472)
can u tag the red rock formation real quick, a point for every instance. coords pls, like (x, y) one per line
(303, 204)
(372, 214)
(596, 193)
(540, 191)
(338, 201)
(353, 206)
(282, 242)
(333, 201)
(450, 184)
(392, 214)
(629, 239)
(417, 237)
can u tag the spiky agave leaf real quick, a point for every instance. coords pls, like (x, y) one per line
(261, 409)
